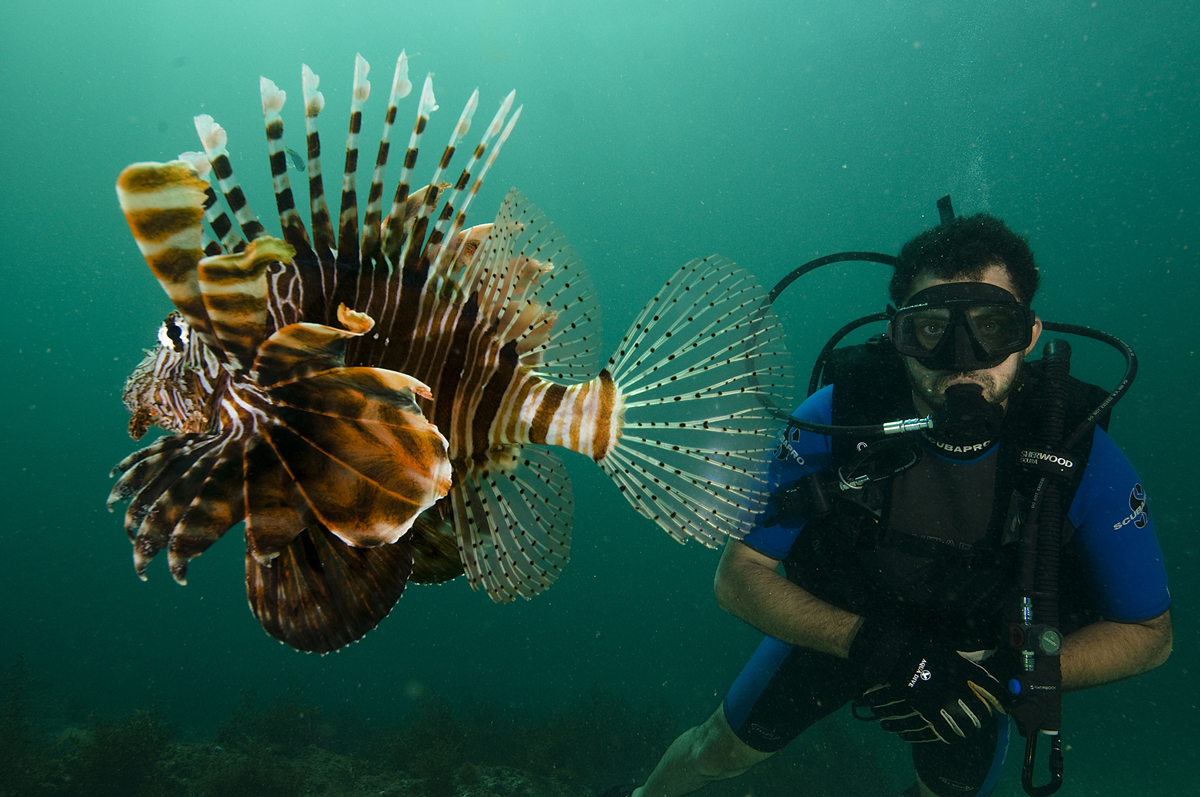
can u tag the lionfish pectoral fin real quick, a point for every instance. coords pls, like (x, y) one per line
(276, 511)
(353, 440)
(216, 508)
(303, 349)
(367, 467)
(320, 594)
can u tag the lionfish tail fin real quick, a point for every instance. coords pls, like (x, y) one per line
(697, 374)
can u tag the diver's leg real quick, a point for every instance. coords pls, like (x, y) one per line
(710, 751)
(782, 691)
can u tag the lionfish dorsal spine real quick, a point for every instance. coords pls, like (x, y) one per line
(399, 231)
(214, 213)
(455, 251)
(430, 302)
(347, 240)
(321, 226)
(372, 234)
(214, 139)
(433, 243)
(444, 261)
(273, 99)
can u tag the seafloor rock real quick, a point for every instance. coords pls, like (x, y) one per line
(481, 781)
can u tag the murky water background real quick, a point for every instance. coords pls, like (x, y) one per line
(653, 132)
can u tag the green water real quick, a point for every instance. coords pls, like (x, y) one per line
(653, 132)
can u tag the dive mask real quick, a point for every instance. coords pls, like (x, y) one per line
(962, 326)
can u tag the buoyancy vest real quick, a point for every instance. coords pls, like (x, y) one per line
(926, 539)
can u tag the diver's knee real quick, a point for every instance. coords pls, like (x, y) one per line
(718, 752)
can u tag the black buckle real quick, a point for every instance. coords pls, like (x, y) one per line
(805, 499)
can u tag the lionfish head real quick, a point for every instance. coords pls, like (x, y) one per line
(171, 387)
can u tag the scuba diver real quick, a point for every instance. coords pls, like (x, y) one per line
(968, 568)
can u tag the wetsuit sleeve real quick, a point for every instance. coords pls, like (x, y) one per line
(1115, 532)
(798, 454)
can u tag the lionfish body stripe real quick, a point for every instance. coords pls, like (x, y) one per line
(381, 403)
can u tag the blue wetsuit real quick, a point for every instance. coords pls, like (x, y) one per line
(784, 688)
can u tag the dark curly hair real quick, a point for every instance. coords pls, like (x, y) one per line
(965, 247)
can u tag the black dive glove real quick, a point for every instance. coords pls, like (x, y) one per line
(926, 690)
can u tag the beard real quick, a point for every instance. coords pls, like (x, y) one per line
(997, 382)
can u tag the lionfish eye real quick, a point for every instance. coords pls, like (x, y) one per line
(170, 334)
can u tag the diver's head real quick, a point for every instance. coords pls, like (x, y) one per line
(964, 321)
(963, 291)
(962, 249)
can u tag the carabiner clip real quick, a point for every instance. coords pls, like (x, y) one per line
(1055, 765)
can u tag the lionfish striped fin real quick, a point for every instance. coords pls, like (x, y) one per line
(444, 243)
(523, 251)
(417, 263)
(214, 139)
(193, 512)
(273, 99)
(347, 240)
(487, 164)
(216, 217)
(164, 205)
(138, 468)
(372, 232)
(216, 507)
(320, 594)
(322, 229)
(234, 288)
(366, 462)
(696, 372)
(528, 282)
(301, 350)
(175, 492)
(515, 524)
(422, 242)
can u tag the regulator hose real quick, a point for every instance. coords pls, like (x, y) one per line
(1038, 711)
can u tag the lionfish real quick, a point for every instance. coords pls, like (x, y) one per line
(381, 404)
